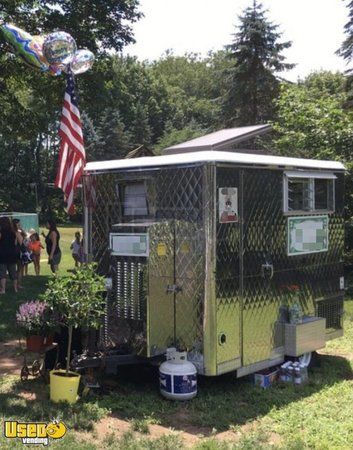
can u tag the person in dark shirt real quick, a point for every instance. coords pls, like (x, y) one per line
(17, 227)
(8, 254)
(52, 240)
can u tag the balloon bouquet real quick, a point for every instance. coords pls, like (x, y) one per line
(54, 53)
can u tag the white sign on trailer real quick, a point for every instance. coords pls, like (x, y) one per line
(125, 244)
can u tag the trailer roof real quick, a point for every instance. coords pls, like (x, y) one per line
(211, 156)
(219, 140)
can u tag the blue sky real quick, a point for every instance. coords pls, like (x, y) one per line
(314, 26)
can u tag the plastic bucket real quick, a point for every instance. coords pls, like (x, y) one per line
(64, 388)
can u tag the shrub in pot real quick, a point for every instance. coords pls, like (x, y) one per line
(37, 320)
(77, 299)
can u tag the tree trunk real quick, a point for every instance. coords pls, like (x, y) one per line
(68, 355)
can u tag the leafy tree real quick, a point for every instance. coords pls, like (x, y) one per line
(194, 87)
(97, 25)
(31, 101)
(256, 53)
(312, 123)
(173, 136)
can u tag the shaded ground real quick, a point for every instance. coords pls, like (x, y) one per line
(10, 359)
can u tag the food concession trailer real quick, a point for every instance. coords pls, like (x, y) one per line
(203, 247)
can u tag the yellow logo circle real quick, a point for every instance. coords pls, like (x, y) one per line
(56, 430)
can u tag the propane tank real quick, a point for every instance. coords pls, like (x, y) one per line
(177, 376)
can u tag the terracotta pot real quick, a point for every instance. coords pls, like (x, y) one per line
(34, 343)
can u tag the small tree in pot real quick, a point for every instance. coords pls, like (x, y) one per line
(77, 299)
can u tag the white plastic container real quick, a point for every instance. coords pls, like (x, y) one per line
(177, 376)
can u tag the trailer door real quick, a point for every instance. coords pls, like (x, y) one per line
(260, 205)
(227, 276)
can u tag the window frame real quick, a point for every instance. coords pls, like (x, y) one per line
(311, 176)
(121, 186)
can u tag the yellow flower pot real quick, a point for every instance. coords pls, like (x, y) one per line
(64, 388)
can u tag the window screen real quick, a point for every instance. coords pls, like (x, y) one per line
(299, 194)
(309, 192)
(324, 194)
(135, 200)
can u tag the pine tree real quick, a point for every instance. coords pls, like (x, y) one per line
(346, 49)
(346, 52)
(140, 128)
(112, 140)
(257, 56)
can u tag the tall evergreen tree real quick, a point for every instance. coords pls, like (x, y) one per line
(257, 55)
(346, 52)
(112, 140)
(346, 49)
(141, 130)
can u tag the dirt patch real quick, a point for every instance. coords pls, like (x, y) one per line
(181, 421)
(28, 396)
(113, 426)
(228, 436)
(10, 360)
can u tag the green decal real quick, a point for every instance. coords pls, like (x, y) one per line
(307, 234)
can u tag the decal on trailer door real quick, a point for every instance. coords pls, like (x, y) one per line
(307, 234)
(228, 204)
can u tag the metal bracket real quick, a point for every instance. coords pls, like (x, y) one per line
(173, 289)
(267, 270)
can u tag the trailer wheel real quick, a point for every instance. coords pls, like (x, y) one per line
(306, 359)
(24, 373)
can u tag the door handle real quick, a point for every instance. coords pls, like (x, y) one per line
(267, 270)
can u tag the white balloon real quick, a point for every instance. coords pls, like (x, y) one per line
(59, 48)
(82, 61)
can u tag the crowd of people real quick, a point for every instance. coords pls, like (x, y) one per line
(19, 248)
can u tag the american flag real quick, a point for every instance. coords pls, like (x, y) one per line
(72, 157)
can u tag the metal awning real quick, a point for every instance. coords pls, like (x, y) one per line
(304, 174)
(216, 157)
(219, 140)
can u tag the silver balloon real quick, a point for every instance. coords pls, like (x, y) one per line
(59, 48)
(82, 61)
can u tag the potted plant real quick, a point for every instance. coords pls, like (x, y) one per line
(77, 299)
(31, 317)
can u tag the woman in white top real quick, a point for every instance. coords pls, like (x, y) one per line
(76, 248)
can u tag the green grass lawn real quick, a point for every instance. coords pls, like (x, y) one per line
(33, 285)
(318, 415)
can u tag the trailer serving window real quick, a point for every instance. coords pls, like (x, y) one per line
(308, 192)
(134, 200)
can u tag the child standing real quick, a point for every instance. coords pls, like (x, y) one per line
(35, 246)
(76, 248)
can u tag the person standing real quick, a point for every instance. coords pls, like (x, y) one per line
(35, 246)
(16, 224)
(75, 246)
(52, 240)
(8, 254)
